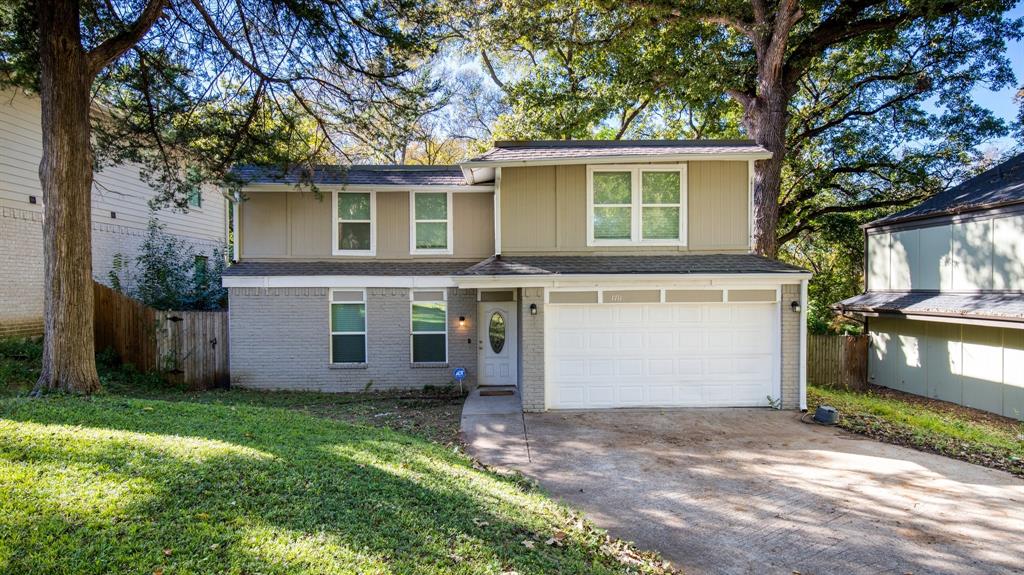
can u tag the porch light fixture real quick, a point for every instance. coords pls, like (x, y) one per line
(533, 309)
(795, 306)
(462, 321)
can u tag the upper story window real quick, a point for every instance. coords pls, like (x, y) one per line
(354, 226)
(431, 231)
(632, 205)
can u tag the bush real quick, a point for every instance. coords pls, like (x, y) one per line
(170, 274)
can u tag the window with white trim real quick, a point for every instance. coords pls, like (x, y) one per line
(632, 205)
(429, 320)
(354, 229)
(431, 231)
(348, 326)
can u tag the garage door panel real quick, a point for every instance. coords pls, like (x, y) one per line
(608, 355)
(717, 314)
(630, 367)
(685, 314)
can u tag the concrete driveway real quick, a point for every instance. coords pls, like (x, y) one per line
(757, 491)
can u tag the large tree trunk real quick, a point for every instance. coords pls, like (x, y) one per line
(766, 119)
(66, 175)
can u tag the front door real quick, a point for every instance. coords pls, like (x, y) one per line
(497, 351)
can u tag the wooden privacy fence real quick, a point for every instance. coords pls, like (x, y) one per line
(188, 347)
(838, 361)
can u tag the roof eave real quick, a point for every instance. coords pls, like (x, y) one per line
(283, 187)
(547, 280)
(619, 159)
(939, 214)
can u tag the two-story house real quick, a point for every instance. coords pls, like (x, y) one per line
(944, 304)
(121, 212)
(589, 274)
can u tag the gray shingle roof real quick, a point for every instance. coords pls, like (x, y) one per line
(520, 151)
(504, 266)
(681, 264)
(353, 175)
(1003, 184)
(981, 306)
(344, 268)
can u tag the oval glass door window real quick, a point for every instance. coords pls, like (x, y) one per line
(496, 332)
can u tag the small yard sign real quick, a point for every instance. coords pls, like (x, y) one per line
(459, 374)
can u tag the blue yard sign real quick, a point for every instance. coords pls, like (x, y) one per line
(459, 373)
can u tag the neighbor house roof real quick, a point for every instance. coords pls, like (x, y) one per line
(596, 265)
(511, 152)
(999, 186)
(505, 266)
(353, 175)
(996, 306)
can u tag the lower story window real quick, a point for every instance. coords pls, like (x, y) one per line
(348, 327)
(429, 331)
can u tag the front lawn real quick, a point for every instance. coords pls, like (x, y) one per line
(166, 482)
(928, 425)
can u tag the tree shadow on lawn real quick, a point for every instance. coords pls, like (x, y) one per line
(115, 485)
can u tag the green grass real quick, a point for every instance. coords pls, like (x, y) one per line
(937, 427)
(151, 480)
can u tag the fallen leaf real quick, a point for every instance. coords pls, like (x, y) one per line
(158, 571)
(528, 544)
(167, 552)
(480, 522)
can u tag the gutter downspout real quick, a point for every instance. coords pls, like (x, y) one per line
(236, 240)
(803, 345)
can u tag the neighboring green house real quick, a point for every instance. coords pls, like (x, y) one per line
(945, 294)
(589, 274)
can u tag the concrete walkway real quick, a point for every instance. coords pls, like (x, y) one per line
(756, 491)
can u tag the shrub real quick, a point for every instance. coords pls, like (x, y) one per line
(170, 273)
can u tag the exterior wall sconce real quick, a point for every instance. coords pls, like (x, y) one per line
(462, 321)
(533, 309)
(795, 306)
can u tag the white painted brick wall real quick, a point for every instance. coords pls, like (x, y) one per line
(531, 347)
(280, 339)
(21, 265)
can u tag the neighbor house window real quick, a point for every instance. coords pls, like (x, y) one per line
(348, 326)
(637, 205)
(431, 223)
(354, 225)
(429, 318)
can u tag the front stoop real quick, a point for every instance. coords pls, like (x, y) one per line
(493, 429)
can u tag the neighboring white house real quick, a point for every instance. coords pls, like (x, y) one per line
(120, 215)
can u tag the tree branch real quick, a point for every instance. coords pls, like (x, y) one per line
(112, 48)
(490, 69)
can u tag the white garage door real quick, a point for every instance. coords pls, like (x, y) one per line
(630, 355)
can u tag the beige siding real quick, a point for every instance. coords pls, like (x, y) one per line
(474, 225)
(687, 296)
(632, 296)
(264, 228)
(299, 225)
(544, 209)
(310, 218)
(976, 366)
(751, 295)
(528, 209)
(573, 297)
(717, 213)
(572, 207)
(392, 225)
